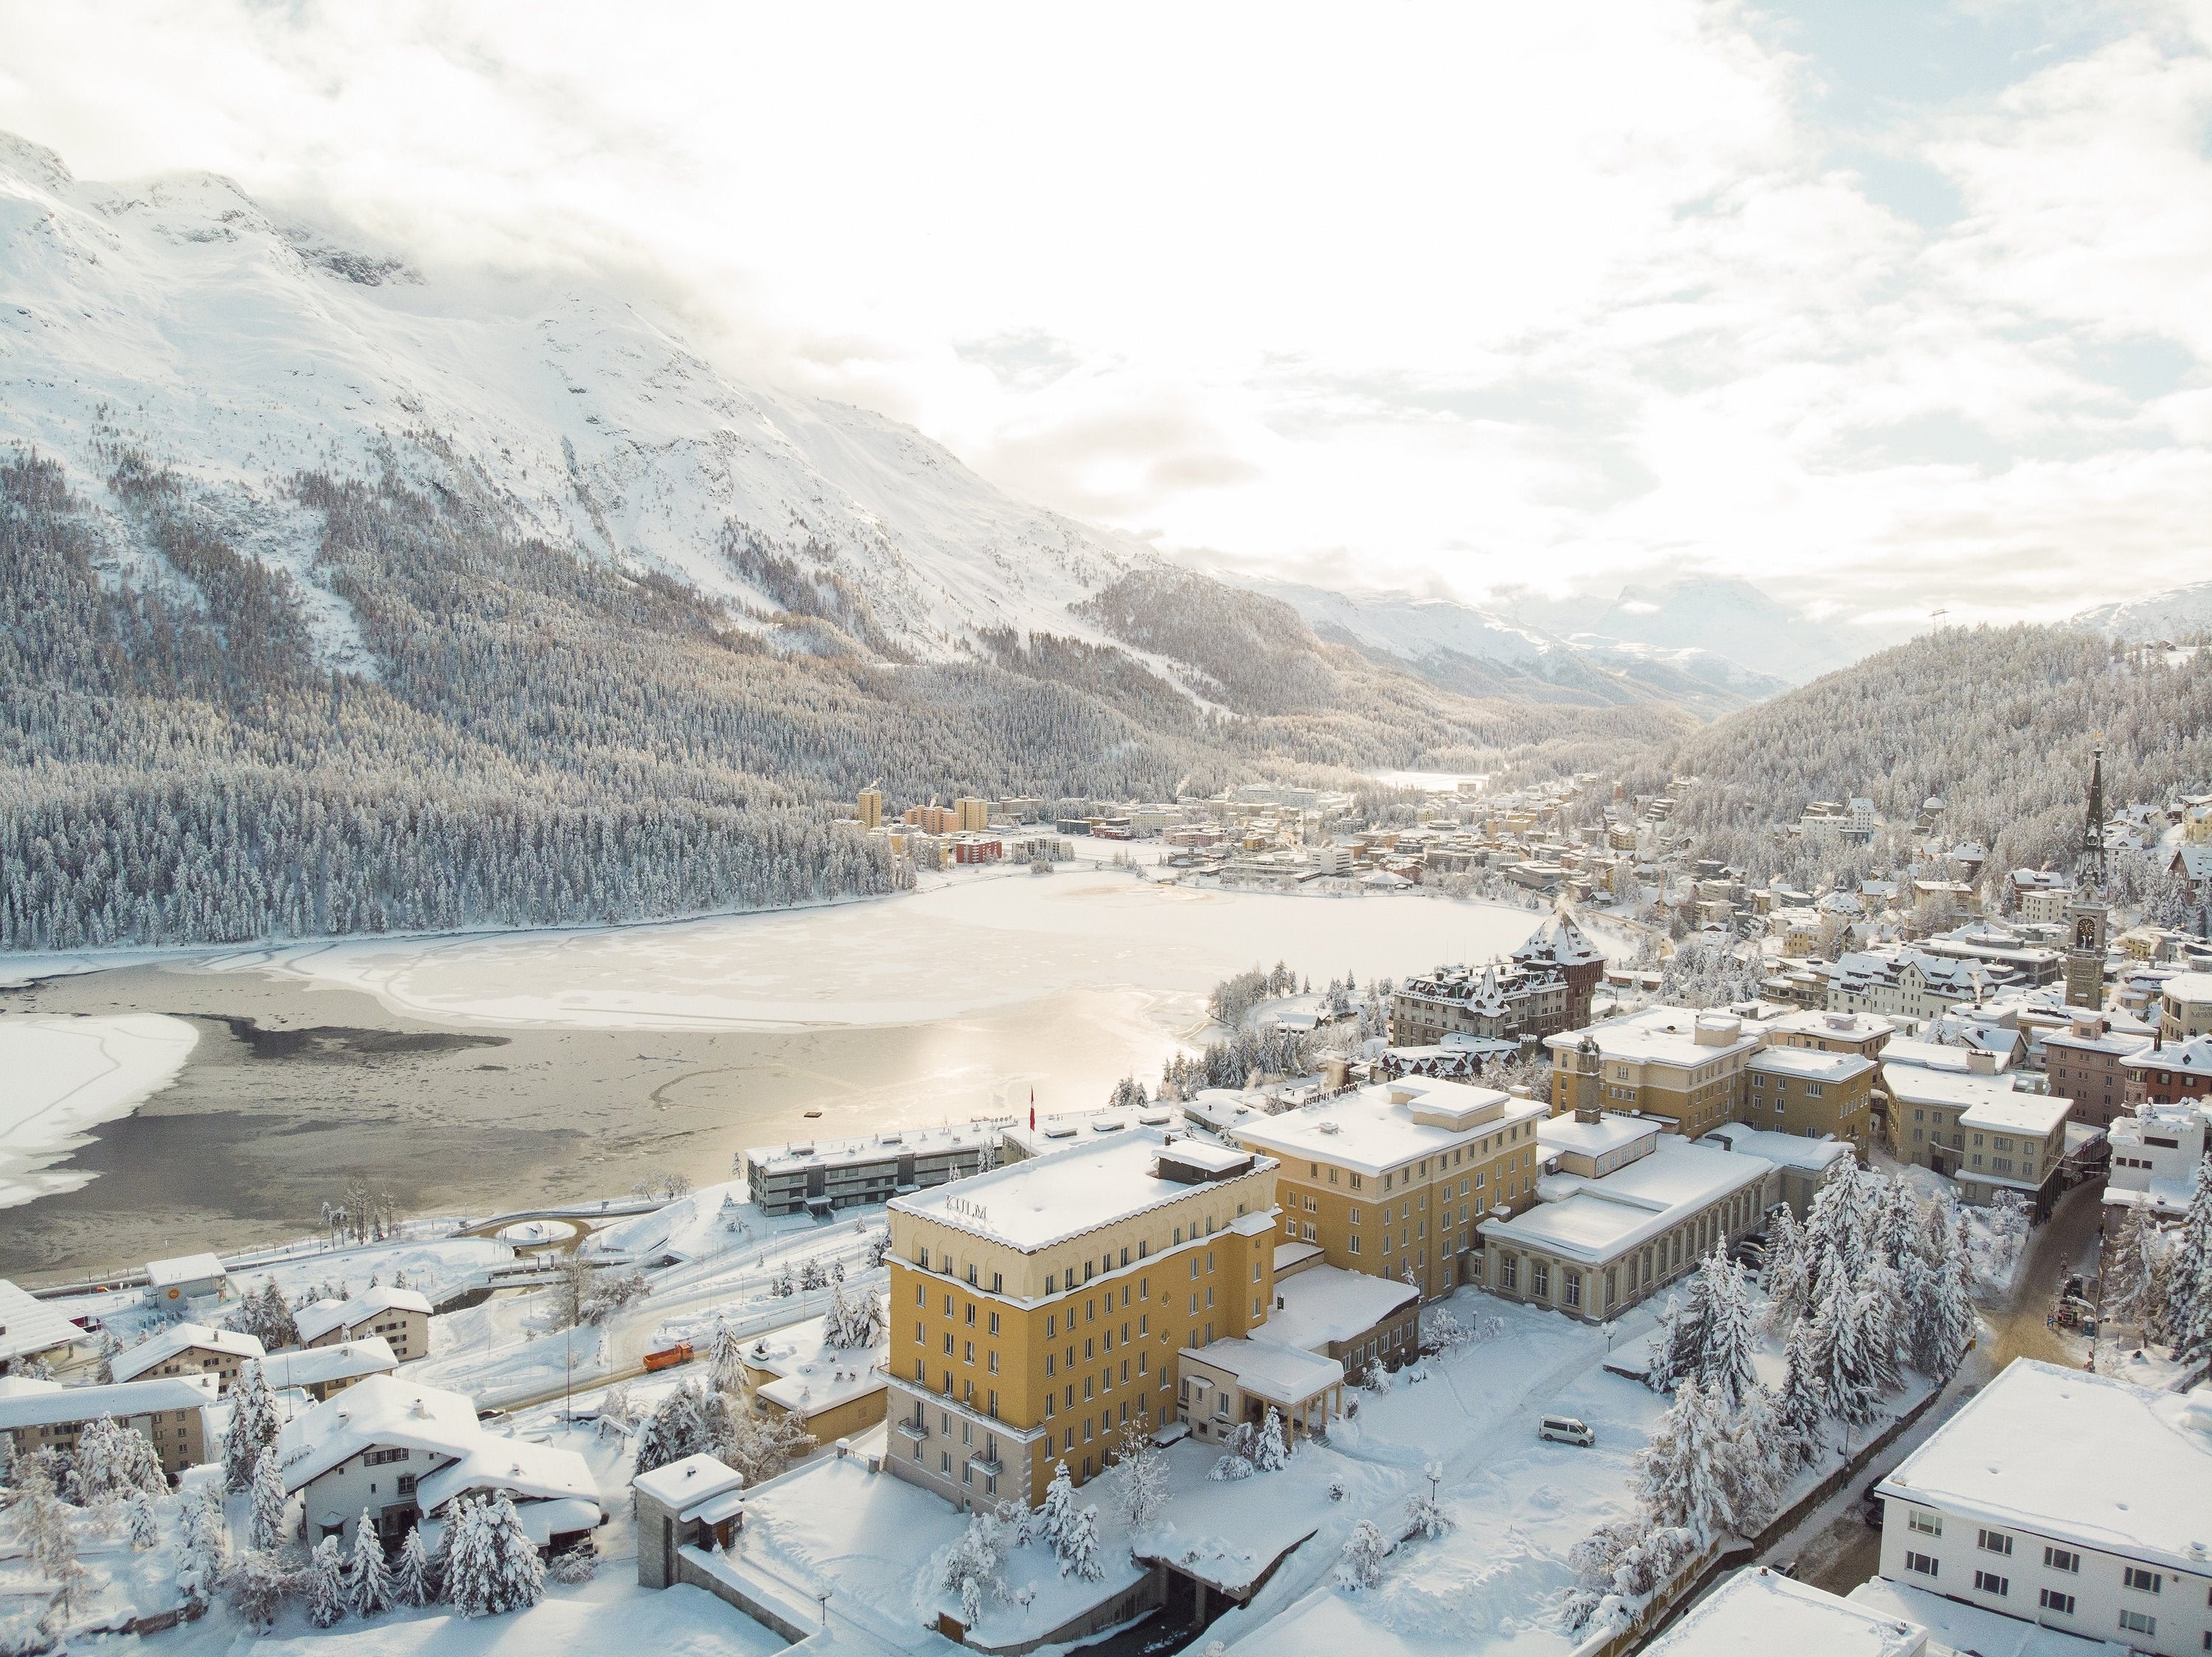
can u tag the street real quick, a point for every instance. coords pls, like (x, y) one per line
(1834, 1547)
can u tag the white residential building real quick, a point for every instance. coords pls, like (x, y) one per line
(29, 1328)
(401, 1316)
(817, 1176)
(187, 1277)
(187, 1350)
(401, 1451)
(2155, 1154)
(1910, 983)
(2069, 1500)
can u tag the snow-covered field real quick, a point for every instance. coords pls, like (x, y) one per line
(66, 1075)
(961, 948)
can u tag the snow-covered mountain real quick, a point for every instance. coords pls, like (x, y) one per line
(1480, 652)
(1730, 619)
(2179, 612)
(178, 317)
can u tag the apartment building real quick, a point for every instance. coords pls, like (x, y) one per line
(1039, 1308)
(1980, 1130)
(831, 1392)
(40, 1415)
(2040, 897)
(1910, 984)
(1392, 1179)
(323, 1371)
(1822, 1031)
(187, 1350)
(2070, 1501)
(1630, 1207)
(2185, 1006)
(2081, 1063)
(1546, 985)
(1810, 1094)
(822, 1175)
(2165, 1073)
(1687, 1067)
(400, 1316)
(2155, 1152)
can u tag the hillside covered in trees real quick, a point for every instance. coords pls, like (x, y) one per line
(1995, 722)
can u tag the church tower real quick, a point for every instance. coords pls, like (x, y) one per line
(2085, 916)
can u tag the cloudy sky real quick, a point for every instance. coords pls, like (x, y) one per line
(1888, 305)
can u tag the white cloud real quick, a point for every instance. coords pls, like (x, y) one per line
(1520, 295)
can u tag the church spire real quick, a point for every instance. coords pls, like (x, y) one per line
(2092, 831)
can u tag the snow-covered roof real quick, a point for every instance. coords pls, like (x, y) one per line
(319, 1366)
(2194, 1056)
(870, 1148)
(2112, 1040)
(183, 1268)
(1610, 1132)
(1839, 1027)
(1291, 1254)
(2077, 1457)
(1378, 1129)
(2033, 1114)
(695, 1479)
(541, 1522)
(176, 1340)
(2188, 987)
(1908, 1052)
(1593, 1220)
(1755, 1613)
(1036, 1203)
(1956, 1629)
(1815, 1155)
(318, 1318)
(379, 1411)
(1912, 1084)
(1811, 1064)
(1323, 1304)
(809, 1376)
(539, 1472)
(1665, 1035)
(28, 1324)
(122, 1400)
(1283, 1374)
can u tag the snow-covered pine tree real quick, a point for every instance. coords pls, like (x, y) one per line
(110, 1349)
(1680, 1478)
(468, 1554)
(1078, 1548)
(259, 1582)
(1689, 1336)
(1840, 1362)
(1270, 1452)
(675, 1430)
(974, 1565)
(1662, 1375)
(1897, 1218)
(2138, 1273)
(111, 1459)
(2192, 1277)
(276, 1329)
(369, 1583)
(42, 1522)
(323, 1583)
(412, 1582)
(518, 1572)
(1784, 1277)
(1879, 1309)
(203, 1546)
(253, 1426)
(1801, 1409)
(724, 1358)
(1058, 1507)
(270, 1499)
(145, 1526)
(1726, 1370)
(1365, 1551)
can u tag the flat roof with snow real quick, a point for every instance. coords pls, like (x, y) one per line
(1811, 1064)
(2076, 1457)
(183, 1268)
(1325, 1304)
(1286, 1374)
(1593, 1220)
(1784, 1150)
(1909, 1084)
(1839, 1027)
(1756, 1613)
(2033, 1114)
(1666, 1035)
(1369, 1132)
(1035, 1205)
(1610, 1132)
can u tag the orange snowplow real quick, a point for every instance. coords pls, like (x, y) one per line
(668, 1357)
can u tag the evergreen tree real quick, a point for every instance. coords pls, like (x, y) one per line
(111, 1460)
(1365, 1551)
(1270, 1453)
(204, 1547)
(471, 1557)
(724, 1358)
(43, 1523)
(1840, 1362)
(1801, 1411)
(268, 1503)
(974, 1565)
(368, 1584)
(1785, 1275)
(1681, 1478)
(1078, 1546)
(677, 1429)
(145, 1527)
(253, 1426)
(412, 1583)
(1142, 1479)
(1055, 1512)
(1879, 1307)
(2191, 1276)
(518, 1572)
(1726, 1368)
(323, 1583)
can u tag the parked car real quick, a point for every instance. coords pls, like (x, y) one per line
(1565, 1430)
(1871, 1511)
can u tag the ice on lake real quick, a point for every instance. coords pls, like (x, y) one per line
(967, 947)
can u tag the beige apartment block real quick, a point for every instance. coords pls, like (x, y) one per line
(1392, 1179)
(1038, 1310)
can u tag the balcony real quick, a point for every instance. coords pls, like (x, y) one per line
(916, 1430)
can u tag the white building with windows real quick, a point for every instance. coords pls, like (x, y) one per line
(2064, 1499)
(2155, 1151)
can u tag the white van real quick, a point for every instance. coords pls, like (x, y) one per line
(1565, 1430)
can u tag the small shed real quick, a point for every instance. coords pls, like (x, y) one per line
(187, 1277)
(696, 1502)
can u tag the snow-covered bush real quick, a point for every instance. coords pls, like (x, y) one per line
(975, 1565)
(1231, 1467)
(258, 1582)
(1365, 1551)
(575, 1565)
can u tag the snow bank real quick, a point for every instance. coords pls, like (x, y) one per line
(68, 1075)
(678, 1621)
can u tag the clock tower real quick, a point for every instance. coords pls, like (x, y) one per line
(2085, 916)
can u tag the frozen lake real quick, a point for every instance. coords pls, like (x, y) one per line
(487, 1073)
(970, 946)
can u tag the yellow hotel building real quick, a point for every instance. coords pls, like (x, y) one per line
(1039, 1308)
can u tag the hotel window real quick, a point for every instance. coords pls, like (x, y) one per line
(1540, 1278)
(1572, 1283)
(1990, 1583)
(1509, 1271)
(995, 1322)
(2135, 1622)
(1921, 1563)
(2052, 1599)
(1354, 1243)
(2142, 1581)
(1993, 1542)
(2063, 1559)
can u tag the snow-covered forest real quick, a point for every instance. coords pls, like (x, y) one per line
(1994, 721)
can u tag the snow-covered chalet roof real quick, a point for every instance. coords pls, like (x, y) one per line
(174, 1342)
(379, 1412)
(527, 1472)
(28, 1324)
(318, 1318)
(1326, 1303)
(183, 1268)
(1756, 1613)
(46, 1407)
(319, 1366)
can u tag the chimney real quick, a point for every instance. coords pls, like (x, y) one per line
(1589, 1113)
(1981, 1064)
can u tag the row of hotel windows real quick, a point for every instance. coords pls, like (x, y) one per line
(2138, 1579)
(1052, 1279)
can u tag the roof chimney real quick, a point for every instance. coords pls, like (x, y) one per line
(1590, 1113)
